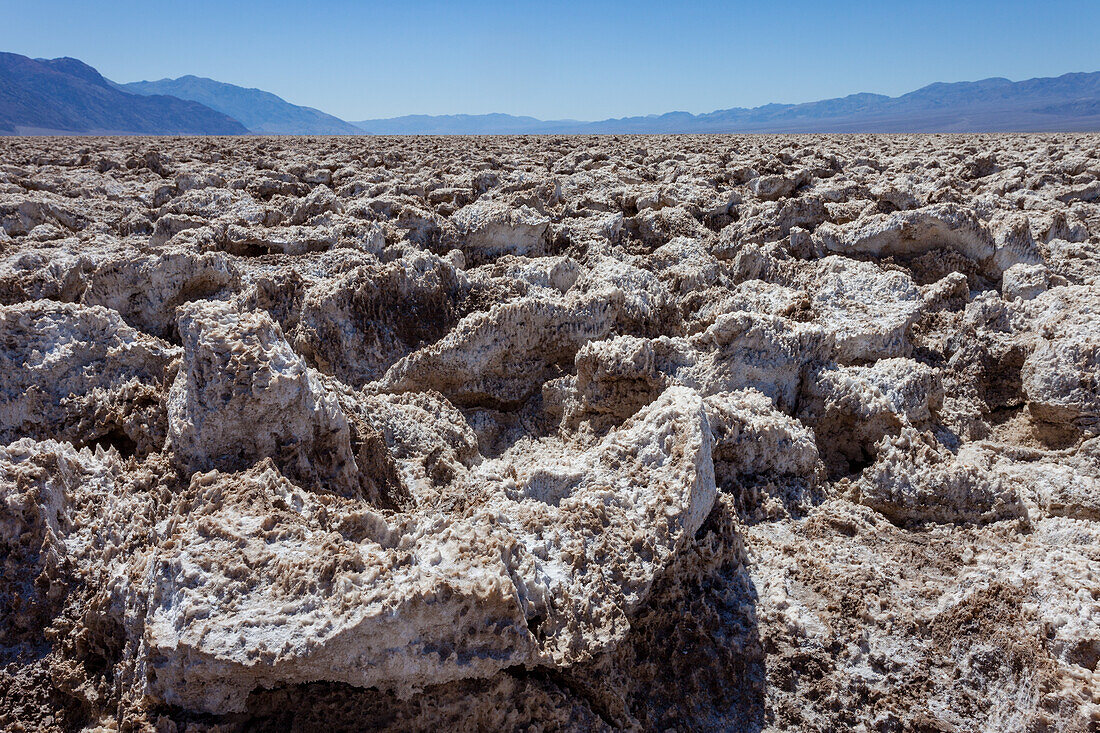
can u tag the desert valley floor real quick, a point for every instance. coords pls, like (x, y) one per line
(550, 433)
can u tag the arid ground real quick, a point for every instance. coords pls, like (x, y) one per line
(551, 433)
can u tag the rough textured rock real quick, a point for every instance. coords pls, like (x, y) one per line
(544, 571)
(912, 233)
(242, 394)
(869, 311)
(665, 433)
(916, 479)
(487, 229)
(1024, 282)
(1061, 376)
(753, 438)
(81, 374)
(853, 408)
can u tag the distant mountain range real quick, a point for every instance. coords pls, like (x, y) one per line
(261, 112)
(67, 96)
(491, 124)
(1070, 102)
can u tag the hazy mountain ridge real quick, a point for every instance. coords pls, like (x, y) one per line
(487, 124)
(1070, 102)
(261, 112)
(67, 95)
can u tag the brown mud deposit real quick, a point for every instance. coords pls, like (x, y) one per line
(646, 433)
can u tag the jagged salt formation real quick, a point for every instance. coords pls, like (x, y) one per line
(345, 594)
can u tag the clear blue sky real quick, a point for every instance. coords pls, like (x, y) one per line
(584, 60)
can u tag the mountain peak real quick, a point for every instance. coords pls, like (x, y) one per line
(260, 111)
(67, 95)
(75, 67)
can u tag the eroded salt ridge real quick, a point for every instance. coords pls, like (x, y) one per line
(733, 433)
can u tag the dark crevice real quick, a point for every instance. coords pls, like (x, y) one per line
(116, 439)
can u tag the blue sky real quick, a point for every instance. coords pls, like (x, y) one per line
(583, 60)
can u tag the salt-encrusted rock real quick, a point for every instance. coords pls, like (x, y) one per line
(771, 187)
(740, 350)
(19, 215)
(907, 233)
(1089, 192)
(317, 202)
(243, 395)
(197, 180)
(544, 572)
(952, 290)
(146, 289)
(503, 355)
(752, 437)
(558, 273)
(81, 374)
(47, 534)
(487, 229)
(1077, 262)
(656, 227)
(170, 225)
(753, 296)
(1053, 483)
(852, 408)
(686, 265)
(909, 390)
(289, 240)
(1015, 246)
(946, 487)
(869, 310)
(56, 273)
(770, 222)
(75, 526)
(431, 442)
(1024, 282)
(213, 203)
(615, 378)
(1060, 226)
(1061, 376)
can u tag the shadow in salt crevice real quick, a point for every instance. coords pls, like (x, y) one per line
(693, 657)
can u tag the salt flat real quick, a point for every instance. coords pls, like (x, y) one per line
(696, 432)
